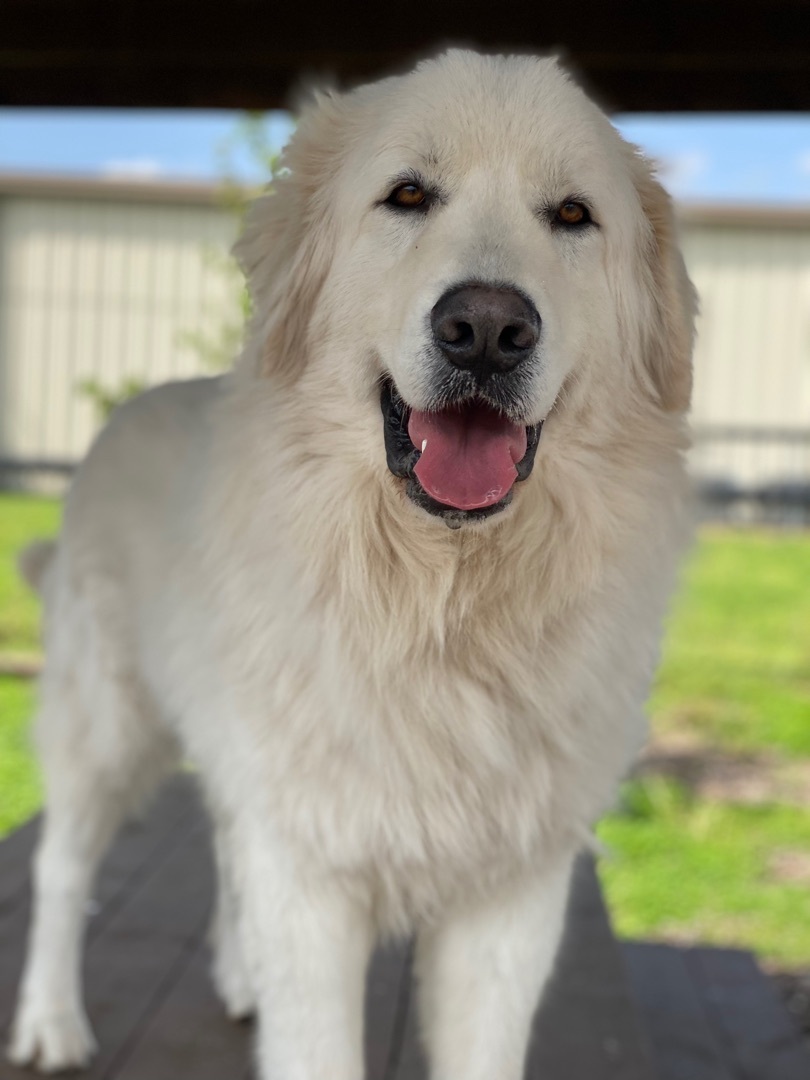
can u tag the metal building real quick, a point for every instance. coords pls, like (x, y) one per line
(105, 281)
(751, 404)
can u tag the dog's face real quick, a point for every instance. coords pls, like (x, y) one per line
(478, 240)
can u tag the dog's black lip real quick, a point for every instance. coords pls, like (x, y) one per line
(451, 515)
(400, 452)
(402, 456)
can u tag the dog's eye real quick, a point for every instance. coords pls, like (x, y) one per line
(408, 196)
(573, 213)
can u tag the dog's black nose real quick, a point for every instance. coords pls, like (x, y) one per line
(485, 329)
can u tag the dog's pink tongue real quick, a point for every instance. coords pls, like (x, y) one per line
(469, 456)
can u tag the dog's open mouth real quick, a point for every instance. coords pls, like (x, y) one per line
(460, 463)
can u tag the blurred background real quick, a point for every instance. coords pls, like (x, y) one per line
(116, 216)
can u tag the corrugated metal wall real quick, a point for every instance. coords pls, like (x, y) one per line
(99, 289)
(751, 408)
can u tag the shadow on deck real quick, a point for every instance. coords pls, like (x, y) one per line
(637, 1012)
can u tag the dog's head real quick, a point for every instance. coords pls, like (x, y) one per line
(468, 248)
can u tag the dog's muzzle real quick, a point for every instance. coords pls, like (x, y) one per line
(459, 463)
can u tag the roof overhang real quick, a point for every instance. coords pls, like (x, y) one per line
(638, 55)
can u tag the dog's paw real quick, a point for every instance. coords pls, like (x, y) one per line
(51, 1041)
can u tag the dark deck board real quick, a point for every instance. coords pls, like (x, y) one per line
(684, 1043)
(157, 1017)
(17, 850)
(587, 1025)
(407, 1057)
(386, 1002)
(134, 846)
(757, 1031)
(713, 1015)
(190, 1035)
(132, 966)
(139, 845)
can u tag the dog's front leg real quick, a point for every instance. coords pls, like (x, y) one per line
(308, 940)
(481, 973)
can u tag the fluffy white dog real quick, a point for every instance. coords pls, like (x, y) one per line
(405, 637)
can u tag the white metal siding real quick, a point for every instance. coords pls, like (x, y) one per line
(752, 362)
(102, 289)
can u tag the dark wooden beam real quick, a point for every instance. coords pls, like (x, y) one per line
(636, 55)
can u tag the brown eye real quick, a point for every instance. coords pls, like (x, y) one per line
(573, 213)
(408, 196)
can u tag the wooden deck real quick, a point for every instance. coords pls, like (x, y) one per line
(704, 1015)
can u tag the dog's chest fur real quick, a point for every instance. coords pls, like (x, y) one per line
(421, 711)
(427, 729)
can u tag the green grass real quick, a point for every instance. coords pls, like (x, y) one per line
(735, 675)
(691, 870)
(21, 519)
(20, 794)
(736, 668)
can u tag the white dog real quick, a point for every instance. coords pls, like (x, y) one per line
(405, 638)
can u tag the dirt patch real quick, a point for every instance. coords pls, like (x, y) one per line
(724, 776)
(20, 665)
(790, 866)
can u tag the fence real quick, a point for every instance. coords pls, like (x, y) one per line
(778, 457)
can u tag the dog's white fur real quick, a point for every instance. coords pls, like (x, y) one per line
(398, 726)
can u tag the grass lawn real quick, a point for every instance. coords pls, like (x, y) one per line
(735, 676)
(20, 794)
(21, 519)
(688, 870)
(736, 667)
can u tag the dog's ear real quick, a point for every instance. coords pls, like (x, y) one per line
(668, 338)
(286, 244)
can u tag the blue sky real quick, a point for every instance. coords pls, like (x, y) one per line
(748, 158)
